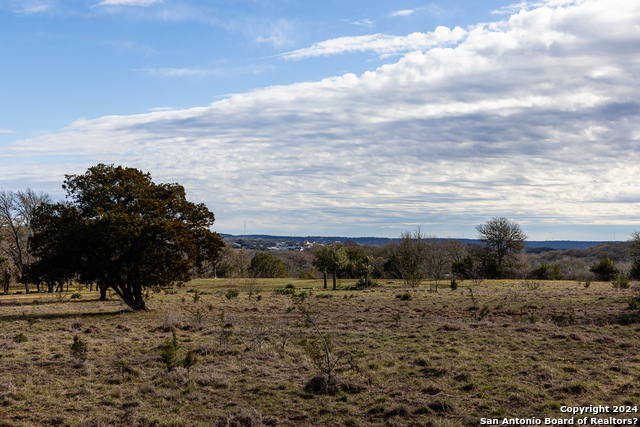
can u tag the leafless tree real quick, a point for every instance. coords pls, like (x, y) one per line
(16, 214)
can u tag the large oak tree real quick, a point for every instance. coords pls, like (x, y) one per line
(122, 231)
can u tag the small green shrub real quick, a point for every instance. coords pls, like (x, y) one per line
(20, 338)
(285, 291)
(484, 312)
(232, 293)
(189, 360)
(405, 297)
(170, 291)
(454, 284)
(76, 295)
(79, 348)
(621, 281)
(605, 270)
(169, 352)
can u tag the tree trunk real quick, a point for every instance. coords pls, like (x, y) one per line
(334, 279)
(324, 273)
(103, 293)
(131, 296)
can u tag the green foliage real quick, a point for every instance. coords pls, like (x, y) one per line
(122, 231)
(169, 351)
(634, 273)
(405, 297)
(484, 312)
(547, 272)
(79, 348)
(20, 338)
(331, 258)
(454, 284)
(76, 295)
(621, 281)
(189, 360)
(264, 264)
(232, 293)
(605, 270)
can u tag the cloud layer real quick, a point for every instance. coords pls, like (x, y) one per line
(534, 118)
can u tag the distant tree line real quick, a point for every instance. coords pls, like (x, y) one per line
(118, 230)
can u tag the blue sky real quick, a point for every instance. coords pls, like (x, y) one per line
(337, 118)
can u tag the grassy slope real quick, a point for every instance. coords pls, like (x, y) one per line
(426, 361)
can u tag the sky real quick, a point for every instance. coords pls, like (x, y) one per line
(337, 118)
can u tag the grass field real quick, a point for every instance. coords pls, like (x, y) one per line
(408, 357)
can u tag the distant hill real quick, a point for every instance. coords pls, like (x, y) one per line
(532, 246)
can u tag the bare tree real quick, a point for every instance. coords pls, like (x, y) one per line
(408, 257)
(502, 239)
(16, 214)
(437, 262)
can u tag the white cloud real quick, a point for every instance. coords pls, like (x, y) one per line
(204, 72)
(128, 2)
(534, 118)
(40, 8)
(405, 12)
(381, 44)
(277, 33)
(363, 22)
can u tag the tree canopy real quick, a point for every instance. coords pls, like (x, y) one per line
(265, 264)
(122, 231)
(501, 238)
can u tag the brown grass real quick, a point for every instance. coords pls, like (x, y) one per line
(431, 360)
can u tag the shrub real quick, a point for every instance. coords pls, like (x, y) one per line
(547, 272)
(621, 281)
(405, 297)
(76, 295)
(605, 270)
(232, 293)
(20, 338)
(169, 352)
(264, 264)
(79, 348)
(454, 284)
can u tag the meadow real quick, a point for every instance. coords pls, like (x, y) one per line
(244, 355)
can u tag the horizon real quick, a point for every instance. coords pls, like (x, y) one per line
(359, 118)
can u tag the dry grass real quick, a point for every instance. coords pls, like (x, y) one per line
(433, 360)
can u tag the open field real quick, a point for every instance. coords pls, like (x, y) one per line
(441, 358)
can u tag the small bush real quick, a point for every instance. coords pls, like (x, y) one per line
(169, 352)
(76, 295)
(605, 270)
(405, 297)
(232, 293)
(621, 281)
(454, 284)
(20, 338)
(79, 348)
